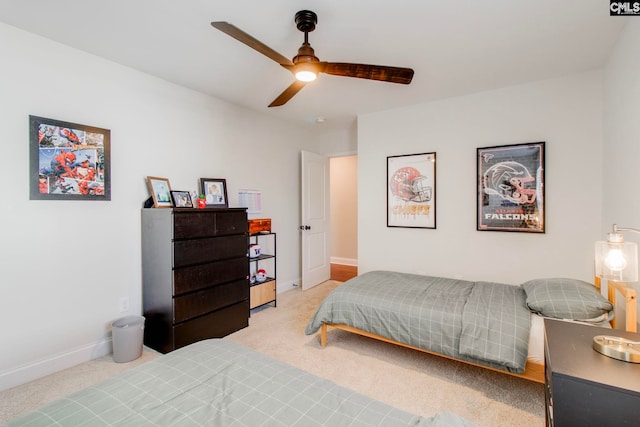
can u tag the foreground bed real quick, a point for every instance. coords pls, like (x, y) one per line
(483, 323)
(220, 383)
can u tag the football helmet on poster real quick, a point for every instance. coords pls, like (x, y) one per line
(408, 184)
(511, 181)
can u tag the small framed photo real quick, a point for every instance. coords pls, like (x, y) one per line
(215, 192)
(181, 199)
(68, 161)
(160, 191)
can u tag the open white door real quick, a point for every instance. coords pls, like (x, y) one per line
(315, 227)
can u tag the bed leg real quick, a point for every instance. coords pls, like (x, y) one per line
(323, 335)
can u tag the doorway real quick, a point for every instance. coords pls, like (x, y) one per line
(343, 189)
(329, 218)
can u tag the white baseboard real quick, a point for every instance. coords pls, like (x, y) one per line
(286, 286)
(344, 261)
(52, 364)
(47, 366)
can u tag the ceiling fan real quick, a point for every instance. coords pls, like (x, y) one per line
(305, 65)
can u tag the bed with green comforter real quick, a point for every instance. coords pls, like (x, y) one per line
(220, 383)
(485, 323)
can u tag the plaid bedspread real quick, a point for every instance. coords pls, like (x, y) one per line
(220, 383)
(480, 322)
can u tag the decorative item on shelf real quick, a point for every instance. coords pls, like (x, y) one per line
(261, 275)
(258, 225)
(254, 250)
(617, 261)
(202, 202)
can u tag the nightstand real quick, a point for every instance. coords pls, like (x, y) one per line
(583, 387)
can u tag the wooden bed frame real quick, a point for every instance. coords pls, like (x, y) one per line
(534, 371)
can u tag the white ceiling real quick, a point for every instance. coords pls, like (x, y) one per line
(455, 48)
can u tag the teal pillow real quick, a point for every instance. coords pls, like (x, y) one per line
(566, 299)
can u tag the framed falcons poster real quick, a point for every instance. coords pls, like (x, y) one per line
(411, 191)
(510, 188)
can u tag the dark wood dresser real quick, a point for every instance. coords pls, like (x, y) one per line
(194, 275)
(583, 387)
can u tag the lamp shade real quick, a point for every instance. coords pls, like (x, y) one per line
(617, 261)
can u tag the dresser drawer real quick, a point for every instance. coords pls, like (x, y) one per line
(232, 223)
(201, 302)
(213, 325)
(199, 251)
(193, 224)
(189, 279)
(208, 223)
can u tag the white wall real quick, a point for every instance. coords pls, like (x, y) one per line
(622, 133)
(621, 204)
(65, 264)
(564, 112)
(337, 142)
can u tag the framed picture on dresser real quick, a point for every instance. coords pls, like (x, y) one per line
(181, 199)
(160, 190)
(215, 192)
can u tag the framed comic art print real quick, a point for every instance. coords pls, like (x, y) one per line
(510, 188)
(411, 191)
(68, 161)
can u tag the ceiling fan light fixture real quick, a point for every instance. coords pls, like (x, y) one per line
(306, 76)
(305, 66)
(306, 72)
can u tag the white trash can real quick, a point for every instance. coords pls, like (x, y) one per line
(127, 336)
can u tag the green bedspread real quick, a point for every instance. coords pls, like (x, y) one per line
(220, 383)
(480, 322)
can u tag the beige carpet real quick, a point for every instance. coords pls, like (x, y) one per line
(405, 378)
(26, 397)
(408, 379)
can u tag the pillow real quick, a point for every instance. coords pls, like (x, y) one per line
(566, 299)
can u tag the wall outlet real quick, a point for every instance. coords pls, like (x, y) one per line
(124, 304)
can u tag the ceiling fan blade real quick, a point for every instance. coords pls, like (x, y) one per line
(287, 94)
(250, 41)
(371, 72)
